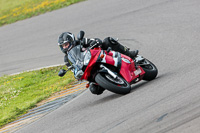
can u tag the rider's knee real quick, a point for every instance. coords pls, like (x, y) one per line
(109, 42)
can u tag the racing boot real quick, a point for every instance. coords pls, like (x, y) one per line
(96, 89)
(120, 48)
(131, 54)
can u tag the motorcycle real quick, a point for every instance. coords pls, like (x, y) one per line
(107, 69)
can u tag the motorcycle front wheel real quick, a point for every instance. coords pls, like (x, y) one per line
(117, 85)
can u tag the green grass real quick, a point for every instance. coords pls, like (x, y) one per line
(14, 10)
(19, 93)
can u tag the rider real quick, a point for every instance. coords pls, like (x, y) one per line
(67, 41)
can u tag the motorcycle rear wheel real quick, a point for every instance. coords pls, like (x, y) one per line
(121, 86)
(150, 70)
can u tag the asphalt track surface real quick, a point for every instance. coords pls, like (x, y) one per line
(166, 32)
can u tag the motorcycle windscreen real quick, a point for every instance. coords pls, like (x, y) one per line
(76, 57)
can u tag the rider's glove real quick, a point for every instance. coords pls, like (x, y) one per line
(97, 42)
(90, 42)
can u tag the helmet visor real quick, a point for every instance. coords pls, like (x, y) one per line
(66, 45)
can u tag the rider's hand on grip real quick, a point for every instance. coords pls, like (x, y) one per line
(97, 42)
(91, 42)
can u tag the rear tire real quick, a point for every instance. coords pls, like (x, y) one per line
(106, 83)
(150, 70)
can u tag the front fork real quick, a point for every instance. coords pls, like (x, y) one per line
(106, 70)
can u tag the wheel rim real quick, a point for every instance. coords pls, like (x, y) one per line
(148, 65)
(118, 80)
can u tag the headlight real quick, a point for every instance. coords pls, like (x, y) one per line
(87, 58)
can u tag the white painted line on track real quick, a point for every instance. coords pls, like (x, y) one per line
(37, 69)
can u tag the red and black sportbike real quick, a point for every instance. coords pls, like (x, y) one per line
(107, 69)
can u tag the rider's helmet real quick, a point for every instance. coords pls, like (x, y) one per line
(66, 41)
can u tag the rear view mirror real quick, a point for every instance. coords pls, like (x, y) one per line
(62, 72)
(81, 35)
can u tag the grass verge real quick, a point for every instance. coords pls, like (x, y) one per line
(14, 10)
(19, 93)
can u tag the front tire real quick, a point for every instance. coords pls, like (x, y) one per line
(123, 87)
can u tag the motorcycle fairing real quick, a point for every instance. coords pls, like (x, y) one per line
(75, 56)
(115, 59)
(132, 73)
(126, 69)
(92, 62)
(112, 58)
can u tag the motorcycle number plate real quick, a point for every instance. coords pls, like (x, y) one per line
(137, 72)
